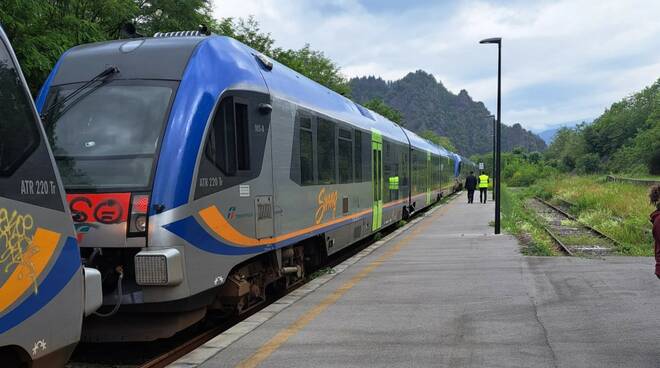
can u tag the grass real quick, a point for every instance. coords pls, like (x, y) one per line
(524, 224)
(321, 272)
(619, 210)
(581, 240)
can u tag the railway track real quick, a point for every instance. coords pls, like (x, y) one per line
(158, 354)
(572, 236)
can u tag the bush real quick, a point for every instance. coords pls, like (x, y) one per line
(568, 163)
(654, 163)
(587, 163)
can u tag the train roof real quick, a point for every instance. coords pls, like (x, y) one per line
(169, 57)
(142, 58)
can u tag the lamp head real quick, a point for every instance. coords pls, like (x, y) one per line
(497, 40)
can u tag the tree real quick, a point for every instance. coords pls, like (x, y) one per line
(314, 65)
(172, 15)
(382, 108)
(41, 31)
(248, 32)
(444, 142)
(587, 163)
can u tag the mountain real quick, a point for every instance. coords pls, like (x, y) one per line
(425, 104)
(548, 135)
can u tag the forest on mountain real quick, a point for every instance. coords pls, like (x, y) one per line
(426, 105)
(624, 139)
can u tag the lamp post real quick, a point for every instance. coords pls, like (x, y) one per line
(494, 149)
(498, 41)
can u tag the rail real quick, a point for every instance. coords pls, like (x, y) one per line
(620, 179)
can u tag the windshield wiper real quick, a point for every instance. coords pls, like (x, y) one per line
(99, 77)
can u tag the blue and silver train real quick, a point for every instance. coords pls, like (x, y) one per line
(203, 175)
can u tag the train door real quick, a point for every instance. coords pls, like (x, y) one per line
(41, 281)
(377, 179)
(428, 177)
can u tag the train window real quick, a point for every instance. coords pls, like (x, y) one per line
(18, 127)
(228, 145)
(345, 153)
(306, 152)
(217, 147)
(242, 137)
(358, 156)
(326, 151)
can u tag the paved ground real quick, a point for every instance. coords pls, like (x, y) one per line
(446, 293)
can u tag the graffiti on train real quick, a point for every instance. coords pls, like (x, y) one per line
(326, 202)
(106, 208)
(16, 246)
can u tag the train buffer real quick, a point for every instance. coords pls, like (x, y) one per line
(443, 291)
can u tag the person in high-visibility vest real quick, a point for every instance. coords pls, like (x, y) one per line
(483, 187)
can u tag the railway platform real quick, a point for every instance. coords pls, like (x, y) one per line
(443, 291)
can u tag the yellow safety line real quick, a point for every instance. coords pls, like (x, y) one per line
(278, 340)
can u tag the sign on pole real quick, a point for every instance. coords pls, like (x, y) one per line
(481, 166)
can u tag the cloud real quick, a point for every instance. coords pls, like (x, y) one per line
(562, 60)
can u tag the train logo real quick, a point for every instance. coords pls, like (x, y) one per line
(231, 214)
(325, 202)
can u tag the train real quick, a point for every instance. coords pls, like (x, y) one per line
(203, 175)
(44, 290)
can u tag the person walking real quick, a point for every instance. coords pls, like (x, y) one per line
(470, 186)
(654, 196)
(483, 187)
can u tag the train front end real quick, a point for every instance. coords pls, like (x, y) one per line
(106, 108)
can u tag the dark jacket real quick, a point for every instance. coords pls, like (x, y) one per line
(655, 220)
(471, 182)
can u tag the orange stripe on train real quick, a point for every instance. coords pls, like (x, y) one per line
(221, 227)
(43, 245)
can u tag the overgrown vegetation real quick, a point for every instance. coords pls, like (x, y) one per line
(619, 210)
(622, 140)
(525, 224)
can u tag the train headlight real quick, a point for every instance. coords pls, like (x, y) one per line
(159, 267)
(137, 225)
(141, 223)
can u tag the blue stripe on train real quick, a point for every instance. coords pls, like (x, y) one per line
(67, 264)
(43, 92)
(216, 64)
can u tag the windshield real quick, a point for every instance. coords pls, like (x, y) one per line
(18, 128)
(107, 138)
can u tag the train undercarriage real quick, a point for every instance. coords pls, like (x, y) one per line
(248, 286)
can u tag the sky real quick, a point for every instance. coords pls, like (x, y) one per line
(562, 61)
